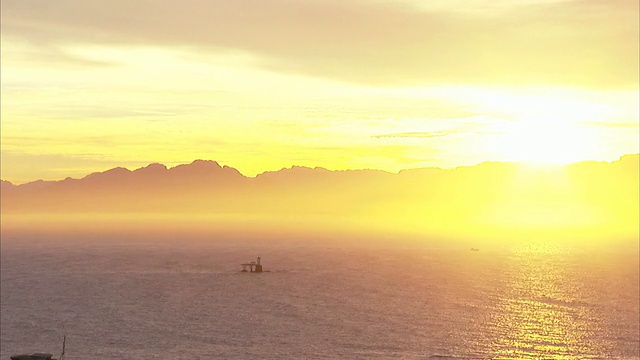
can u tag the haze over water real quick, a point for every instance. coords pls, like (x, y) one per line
(181, 296)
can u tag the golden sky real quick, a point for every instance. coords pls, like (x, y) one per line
(263, 84)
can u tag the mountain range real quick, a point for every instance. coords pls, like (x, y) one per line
(488, 195)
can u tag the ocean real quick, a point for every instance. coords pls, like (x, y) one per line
(140, 299)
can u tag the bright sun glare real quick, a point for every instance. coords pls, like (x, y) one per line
(547, 130)
(546, 142)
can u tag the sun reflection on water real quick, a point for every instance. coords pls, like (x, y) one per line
(539, 316)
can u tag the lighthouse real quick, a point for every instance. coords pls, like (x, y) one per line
(254, 266)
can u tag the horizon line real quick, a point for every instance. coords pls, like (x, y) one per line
(517, 163)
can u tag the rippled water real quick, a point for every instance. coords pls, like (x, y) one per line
(137, 300)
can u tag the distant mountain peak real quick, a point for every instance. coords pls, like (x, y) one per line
(151, 168)
(200, 162)
(198, 166)
(117, 171)
(205, 169)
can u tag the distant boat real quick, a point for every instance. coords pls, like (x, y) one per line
(475, 249)
(40, 356)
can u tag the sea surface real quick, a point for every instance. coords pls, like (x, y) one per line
(134, 299)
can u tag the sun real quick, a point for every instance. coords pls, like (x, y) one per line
(541, 141)
(543, 130)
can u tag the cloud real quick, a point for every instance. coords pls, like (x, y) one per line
(591, 43)
(38, 55)
(416, 134)
(615, 125)
(431, 128)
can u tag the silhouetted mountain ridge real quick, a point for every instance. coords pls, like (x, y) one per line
(593, 192)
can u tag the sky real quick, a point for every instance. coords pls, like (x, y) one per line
(343, 84)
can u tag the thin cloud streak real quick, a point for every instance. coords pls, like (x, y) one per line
(417, 134)
(616, 125)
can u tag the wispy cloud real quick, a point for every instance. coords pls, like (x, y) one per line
(416, 134)
(619, 125)
(439, 128)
